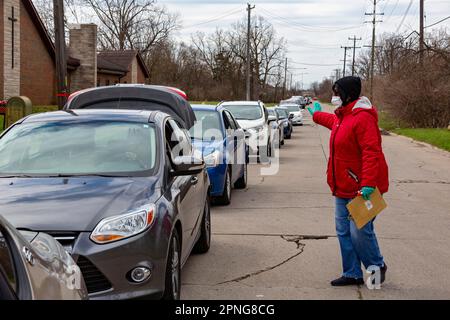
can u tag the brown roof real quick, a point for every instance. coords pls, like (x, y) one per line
(120, 61)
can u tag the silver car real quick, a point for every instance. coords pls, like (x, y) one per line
(34, 266)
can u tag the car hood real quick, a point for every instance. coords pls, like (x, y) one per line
(207, 147)
(72, 204)
(248, 124)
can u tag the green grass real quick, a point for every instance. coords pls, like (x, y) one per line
(437, 137)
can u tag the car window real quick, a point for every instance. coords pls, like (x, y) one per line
(79, 148)
(7, 263)
(245, 112)
(293, 108)
(208, 126)
(229, 120)
(178, 140)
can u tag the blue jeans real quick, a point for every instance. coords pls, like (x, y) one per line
(356, 245)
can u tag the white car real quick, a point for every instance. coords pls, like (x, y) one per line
(253, 116)
(297, 112)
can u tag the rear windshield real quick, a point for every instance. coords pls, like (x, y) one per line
(293, 108)
(112, 148)
(245, 112)
(282, 114)
(208, 126)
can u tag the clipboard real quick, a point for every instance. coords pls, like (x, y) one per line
(363, 211)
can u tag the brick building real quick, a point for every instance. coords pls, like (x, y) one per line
(27, 57)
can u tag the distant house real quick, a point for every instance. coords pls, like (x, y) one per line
(120, 67)
(27, 57)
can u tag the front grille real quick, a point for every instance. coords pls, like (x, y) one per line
(94, 278)
(66, 239)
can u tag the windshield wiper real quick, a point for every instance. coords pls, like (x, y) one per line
(59, 175)
(16, 176)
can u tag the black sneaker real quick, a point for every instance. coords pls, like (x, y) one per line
(344, 281)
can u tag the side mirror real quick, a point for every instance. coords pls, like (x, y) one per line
(291, 116)
(187, 165)
(272, 118)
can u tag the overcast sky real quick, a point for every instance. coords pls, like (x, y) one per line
(314, 29)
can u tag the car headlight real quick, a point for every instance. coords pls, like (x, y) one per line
(212, 160)
(124, 226)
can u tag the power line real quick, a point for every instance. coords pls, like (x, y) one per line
(214, 19)
(306, 28)
(317, 64)
(404, 16)
(440, 21)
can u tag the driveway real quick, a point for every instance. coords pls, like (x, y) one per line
(277, 239)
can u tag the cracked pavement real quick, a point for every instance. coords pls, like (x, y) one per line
(277, 238)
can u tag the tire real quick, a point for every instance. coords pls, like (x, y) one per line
(173, 270)
(242, 181)
(204, 242)
(225, 198)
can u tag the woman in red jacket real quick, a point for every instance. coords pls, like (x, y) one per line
(356, 166)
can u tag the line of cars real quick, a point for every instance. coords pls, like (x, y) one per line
(122, 180)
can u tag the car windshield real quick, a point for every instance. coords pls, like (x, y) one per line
(293, 108)
(282, 114)
(245, 112)
(208, 126)
(68, 148)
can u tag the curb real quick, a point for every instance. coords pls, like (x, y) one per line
(421, 143)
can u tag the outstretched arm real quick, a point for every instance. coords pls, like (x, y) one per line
(323, 118)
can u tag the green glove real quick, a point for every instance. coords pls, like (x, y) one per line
(317, 108)
(366, 192)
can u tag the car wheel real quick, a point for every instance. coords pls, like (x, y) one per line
(242, 182)
(173, 270)
(225, 198)
(204, 242)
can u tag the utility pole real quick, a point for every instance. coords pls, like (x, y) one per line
(60, 47)
(354, 39)
(337, 74)
(345, 59)
(290, 82)
(285, 78)
(249, 10)
(422, 32)
(374, 14)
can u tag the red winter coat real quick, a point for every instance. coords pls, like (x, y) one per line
(356, 155)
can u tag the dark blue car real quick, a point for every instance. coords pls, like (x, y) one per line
(221, 142)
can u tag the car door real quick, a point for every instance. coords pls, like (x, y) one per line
(187, 186)
(232, 145)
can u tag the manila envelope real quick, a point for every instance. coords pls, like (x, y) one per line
(363, 211)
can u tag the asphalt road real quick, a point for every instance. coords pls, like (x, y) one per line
(277, 238)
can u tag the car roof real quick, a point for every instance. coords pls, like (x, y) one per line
(205, 107)
(99, 114)
(240, 103)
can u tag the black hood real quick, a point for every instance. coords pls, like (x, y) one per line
(349, 89)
